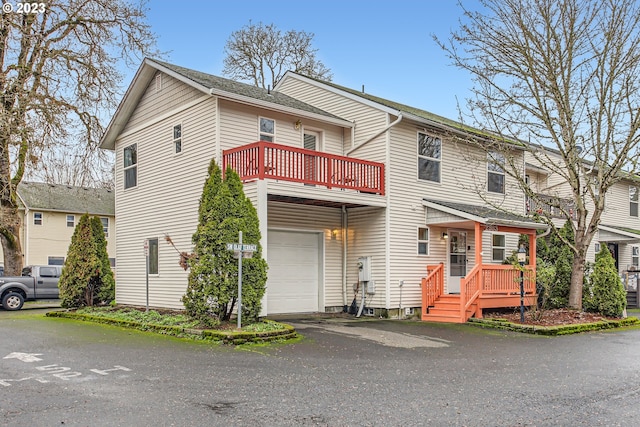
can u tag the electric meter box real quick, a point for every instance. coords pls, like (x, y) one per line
(364, 269)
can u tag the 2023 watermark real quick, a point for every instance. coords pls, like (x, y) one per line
(24, 8)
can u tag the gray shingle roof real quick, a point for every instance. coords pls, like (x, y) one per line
(214, 82)
(485, 212)
(63, 198)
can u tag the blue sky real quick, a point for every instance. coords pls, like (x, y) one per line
(385, 46)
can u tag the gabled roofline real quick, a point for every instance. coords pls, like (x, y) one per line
(143, 77)
(619, 231)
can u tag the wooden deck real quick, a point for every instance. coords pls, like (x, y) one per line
(486, 286)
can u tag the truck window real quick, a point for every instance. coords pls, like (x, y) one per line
(48, 272)
(26, 271)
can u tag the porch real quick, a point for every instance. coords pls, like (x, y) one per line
(267, 160)
(485, 285)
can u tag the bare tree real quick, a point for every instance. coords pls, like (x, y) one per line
(58, 76)
(261, 54)
(562, 74)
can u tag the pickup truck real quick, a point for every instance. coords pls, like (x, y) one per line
(36, 282)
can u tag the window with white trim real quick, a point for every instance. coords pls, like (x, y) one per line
(131, 166)
(498, 247)
(429, 155)
(177, 138)
(635, 256)
(423, 241)
(37, 218)
(267, 129)
(55, 260)
(633, 201)
(105, 226)
(153, 256)
(71, 221)
(596, 247)
(495, 172)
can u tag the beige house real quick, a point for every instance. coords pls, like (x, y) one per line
(50, 214)
(350, 190)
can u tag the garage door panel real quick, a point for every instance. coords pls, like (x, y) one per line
(292, 285)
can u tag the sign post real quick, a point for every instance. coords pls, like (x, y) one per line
(241, 251)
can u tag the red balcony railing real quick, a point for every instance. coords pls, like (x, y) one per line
(262, 159)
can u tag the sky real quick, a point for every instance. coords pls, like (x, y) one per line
(385, 46)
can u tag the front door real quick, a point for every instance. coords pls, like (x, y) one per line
(310, 168)
(613, 248)
(457, 257)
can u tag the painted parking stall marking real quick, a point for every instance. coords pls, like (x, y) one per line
(50, 372)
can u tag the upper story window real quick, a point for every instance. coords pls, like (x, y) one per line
(429, 153)
(498, 247)
(177, 138)
(633, 201)
(131, 166)
(71, 221)
(495, 172)
(105, 226)
(423, 241)
(37, 218)
(267, 129)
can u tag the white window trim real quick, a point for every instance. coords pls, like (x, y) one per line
(423, 241)
(491, 161)
(432, 159)
(260, 133)
(105, 229)
(176, 140)
(503, 248)
(635, 256)
(73, 220)
(634, 202)
(41, 219)
(125, 168)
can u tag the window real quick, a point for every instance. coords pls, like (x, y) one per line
(597, 247)
(498, 248)
(267, 129)
(177, 138)
(55, 260)
(429, 151)
(495, 169)
(423, 241)
(105, 226)
(131, 166)
(153, 256)
(112, 262)
(37, 218)
(633, 201)
(50, 271)
(71, 221)
(635, 257)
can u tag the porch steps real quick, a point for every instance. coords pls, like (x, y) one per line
(446, 309)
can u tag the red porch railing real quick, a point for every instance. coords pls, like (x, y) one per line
(262, 159)
(432, 286)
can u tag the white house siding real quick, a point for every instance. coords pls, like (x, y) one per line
(165, 201)
(173, 94)
(315, 219)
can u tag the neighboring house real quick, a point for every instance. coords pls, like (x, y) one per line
(349, 189)
(50, 214)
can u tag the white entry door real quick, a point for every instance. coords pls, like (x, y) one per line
(294, 271)
(457, 260)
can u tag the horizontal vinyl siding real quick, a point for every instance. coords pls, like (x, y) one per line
(286, 216)
(172, 95)
(240, 127)
(165, 202)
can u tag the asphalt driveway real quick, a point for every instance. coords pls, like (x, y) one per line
(343, 372)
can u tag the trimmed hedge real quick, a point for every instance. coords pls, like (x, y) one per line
(226, 337)
(554, 330)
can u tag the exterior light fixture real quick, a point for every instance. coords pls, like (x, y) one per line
(445, 236)
(297, 125)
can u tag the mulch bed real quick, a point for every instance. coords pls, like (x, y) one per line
(553, 317)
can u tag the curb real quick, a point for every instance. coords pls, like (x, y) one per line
(554, 330)
(225, 337)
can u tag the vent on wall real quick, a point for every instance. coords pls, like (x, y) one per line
(158, 82)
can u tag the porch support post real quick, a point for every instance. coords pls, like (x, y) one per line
(478, 245)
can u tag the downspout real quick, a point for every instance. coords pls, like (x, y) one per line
(398, 120)
(344, 224)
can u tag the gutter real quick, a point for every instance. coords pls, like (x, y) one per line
(398, 120)
(25, 250)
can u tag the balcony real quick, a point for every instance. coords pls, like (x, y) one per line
(551, 206)
(267, 160)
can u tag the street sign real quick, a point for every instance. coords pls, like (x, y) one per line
(241, 248)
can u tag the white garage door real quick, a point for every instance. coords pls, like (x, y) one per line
(292, 285)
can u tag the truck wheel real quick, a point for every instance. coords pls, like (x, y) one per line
(12, 301)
